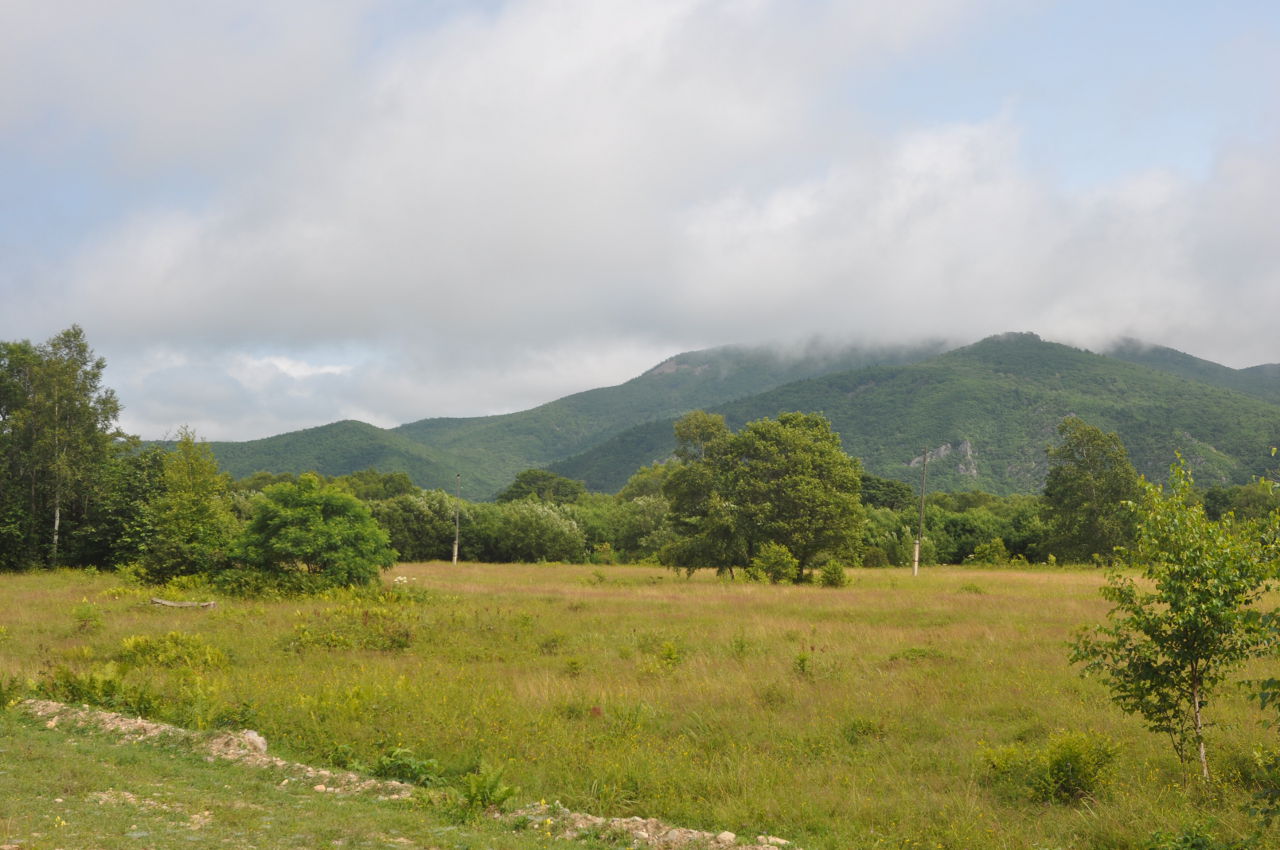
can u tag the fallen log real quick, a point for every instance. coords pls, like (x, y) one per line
(170, 604)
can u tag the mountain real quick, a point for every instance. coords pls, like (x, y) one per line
(489, 450)
(986, 412)
(1259, 381)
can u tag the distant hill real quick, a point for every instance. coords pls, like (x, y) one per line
(987, 412)
(1260, 381)
(489, 450)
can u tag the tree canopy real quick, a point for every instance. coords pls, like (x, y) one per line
(1167, 648)
(57, 438)
(1090, 478)
(315, 535)
(785, 481)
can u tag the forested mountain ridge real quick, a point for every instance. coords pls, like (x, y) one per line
(1260, 381)
(988, 411)
(489, 450)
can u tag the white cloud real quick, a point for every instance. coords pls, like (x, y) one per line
(541, 196)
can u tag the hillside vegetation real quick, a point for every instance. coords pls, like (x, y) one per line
(986, 413)
(490, 450)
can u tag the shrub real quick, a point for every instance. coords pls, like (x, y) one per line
(1069, 766)
(832, 574)
(383, 628)
(777, 563)
(317, 531)
(175, 649)
(992, 552)
(402, 765)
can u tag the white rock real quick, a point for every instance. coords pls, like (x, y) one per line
(254, 740)
(726, 837)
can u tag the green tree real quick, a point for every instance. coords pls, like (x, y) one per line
(420, 525)
(524, 531)
(785, 481)
(543, 485)
(57, 439)
(792, 483)
(192, 529)
(310, 535)
(370, 485)
(1167, 648)
(1090, 478)
(115, 527)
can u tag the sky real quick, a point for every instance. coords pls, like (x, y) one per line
(271, 216)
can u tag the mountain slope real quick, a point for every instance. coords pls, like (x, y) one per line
(338, 448)
(488, 451)
(1259, 381)
(987, 412)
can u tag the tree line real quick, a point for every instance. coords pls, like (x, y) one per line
(780, 491)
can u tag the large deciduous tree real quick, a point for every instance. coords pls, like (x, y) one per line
(785, 481)
(1090, 478)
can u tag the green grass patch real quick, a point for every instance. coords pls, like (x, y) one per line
(854, 717)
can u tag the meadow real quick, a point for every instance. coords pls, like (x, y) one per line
(860, 717)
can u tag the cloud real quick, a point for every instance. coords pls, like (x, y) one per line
(509, 202)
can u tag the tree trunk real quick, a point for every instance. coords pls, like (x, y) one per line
(1195, 709)
(57, 523)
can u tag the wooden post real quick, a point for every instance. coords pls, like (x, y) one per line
(457, 524)
(915, 558)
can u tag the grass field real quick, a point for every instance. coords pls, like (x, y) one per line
(850, 718)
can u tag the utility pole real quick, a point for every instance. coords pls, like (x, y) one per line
(457, 523)
(915, 558)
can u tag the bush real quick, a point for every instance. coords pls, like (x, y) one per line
(1070, 766)
(833, 575)
(777, 563)
(307, 536)
(992, 552)
(402, 765)
(175, 649)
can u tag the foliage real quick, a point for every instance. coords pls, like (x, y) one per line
(776, 563)
(57, 438)
(544, 486)
(784, 481)
(1068, 767)
(1090, 478)
(1167, 649)
(192, 529)
(1003, 396)
(420, 525)
(370, 485)
(316, 531)
(114, 527)
(525, 531)
(172, 649)
(880, 492)
(992, 552)
(833, 574)
(402, 765)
